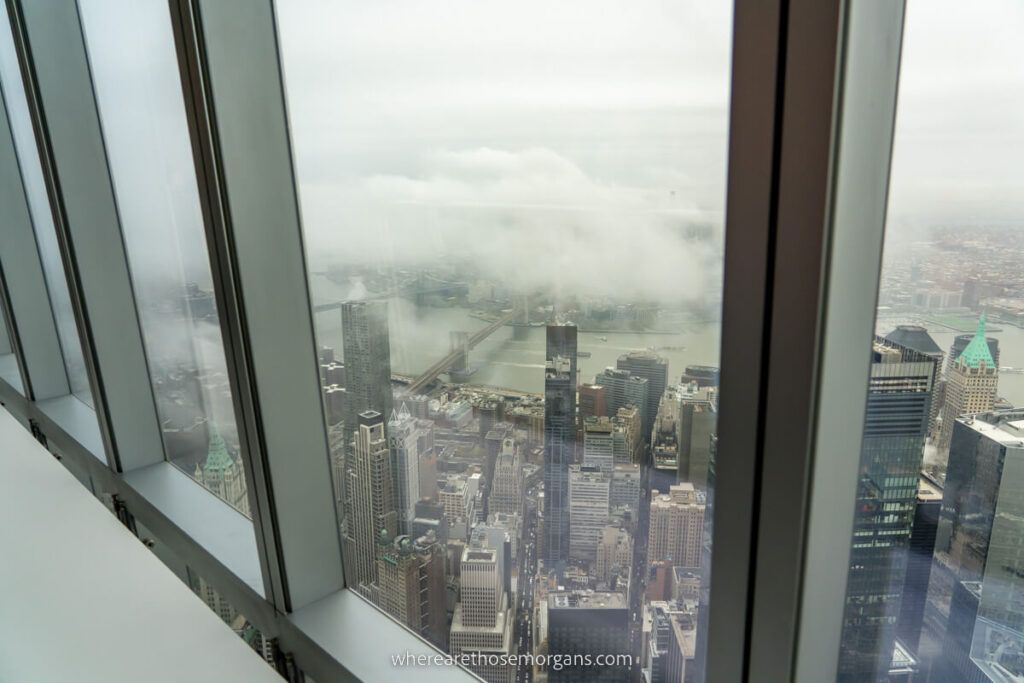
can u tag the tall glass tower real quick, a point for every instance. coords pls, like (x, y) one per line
(367, 348)
(895, 426)
(559, 438)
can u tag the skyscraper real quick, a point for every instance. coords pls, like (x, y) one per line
(588, 624)
(367, 349)
(623, 389)
(411, 576)
(917, 338)
(507, 488)
(403, 445)
(895, 426)
(970, 383)
(654, 369)
(614, 553)
(665, 446)
(561, 342)
(668, 642)
(605, 443)
(483, 617)
(373, 513)
(589, 492)
(919, 563)
(221, 474)
(593, 402)
(625, 488)
(976, 582)
(676, 533)
(559, 439)
(960, 343)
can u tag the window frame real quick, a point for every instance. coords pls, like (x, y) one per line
(807, 182)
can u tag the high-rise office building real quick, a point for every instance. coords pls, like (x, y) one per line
(411, 577)
(917, 338)
(919, 563)
(493, 439)
(895, 426)
(372, 499)
(665, 446)
(561, 343)
(971, 383)
(458, 500)
(961, 341)
(501, 532)
(605, 443)
(629, 418)
(403, 445)
(559, 440)
(676, 533)
(698, 420)
(654, 369)
(614, 553)
(998, 644)
(483, 617)
(625, 389)
(625, 488)
(367, 349)
(668, 642)
(593, 401)
(589, 492)
(975, 579)
(701, 375)
(589, 624)
(507, 487)
(221, 474)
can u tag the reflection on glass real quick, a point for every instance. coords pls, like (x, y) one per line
(9, 371)
(238, 622)
(5, 340)
(513, 214)
(39, 208)
(131, 52)
(936, 583)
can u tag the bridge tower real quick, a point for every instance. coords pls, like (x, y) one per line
(521, 324)
(460, 370)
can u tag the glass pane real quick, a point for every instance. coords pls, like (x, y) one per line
(936, 582)
(138, 88)
(9, 371)
(39, 208)
(514, 221)
(5, 340)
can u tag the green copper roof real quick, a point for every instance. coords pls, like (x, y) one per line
(977, 351)
(217, 457)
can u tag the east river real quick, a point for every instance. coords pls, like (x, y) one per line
(420, 336)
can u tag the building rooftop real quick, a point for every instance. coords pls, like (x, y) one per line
(915, 337)
(927, 490)
(977, 351)
(999, 426)
(586, 600)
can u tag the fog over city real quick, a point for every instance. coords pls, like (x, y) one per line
(544, 144)
(487, 130)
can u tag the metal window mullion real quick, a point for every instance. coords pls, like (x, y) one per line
(33, 331)
(756, 99)
(230, 316)
(840, 62)
(872, 44)
(59, 87)
(235, 100)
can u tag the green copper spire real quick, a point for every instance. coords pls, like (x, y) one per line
(217, 457)
(977, 351)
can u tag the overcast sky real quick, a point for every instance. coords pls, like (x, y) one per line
(425, 129)
(559, 144)
(959, 147)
